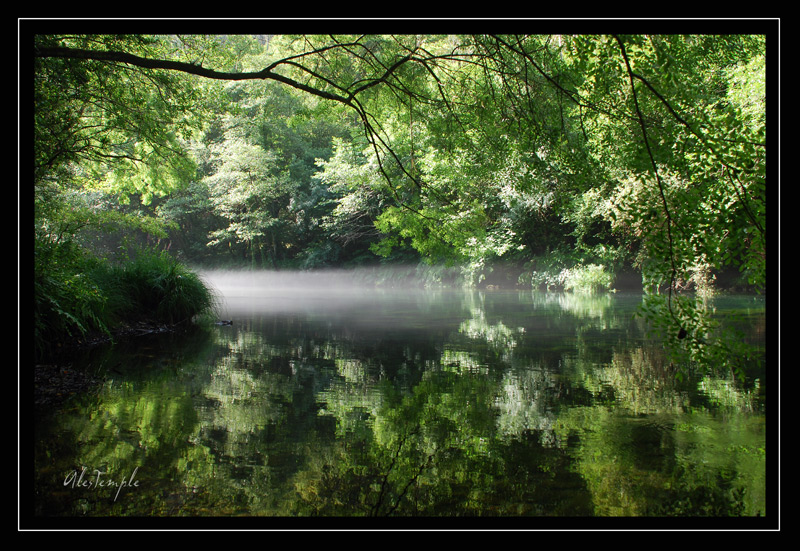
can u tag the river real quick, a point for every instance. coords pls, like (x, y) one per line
(325, 398)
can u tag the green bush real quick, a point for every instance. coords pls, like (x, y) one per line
(156, 287)
(68, 302)
(547, 272)
(76, 294)
(592, 278)
(559, 271)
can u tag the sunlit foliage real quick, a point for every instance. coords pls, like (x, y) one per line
(548, 160)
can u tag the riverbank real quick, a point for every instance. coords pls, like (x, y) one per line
(54, 378)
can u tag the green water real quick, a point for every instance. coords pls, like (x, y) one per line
(343, 402)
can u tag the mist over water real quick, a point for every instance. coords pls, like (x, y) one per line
(241, 293)
(288, 281)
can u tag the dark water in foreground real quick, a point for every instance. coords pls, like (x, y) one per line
(341, 401)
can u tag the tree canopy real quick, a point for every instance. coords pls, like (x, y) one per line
(549, 153)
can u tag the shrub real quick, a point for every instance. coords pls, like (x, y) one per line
(76, 294)
(591, 278)
(68, 302)
(547, 271)
(558, 271)
(156, 287)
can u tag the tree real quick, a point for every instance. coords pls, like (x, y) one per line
(246, 192)
(122, 128)
(487, 143)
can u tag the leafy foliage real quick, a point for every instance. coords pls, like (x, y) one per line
(100, 127)
(571, 158)
(78, 296)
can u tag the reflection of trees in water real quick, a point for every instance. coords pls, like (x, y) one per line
(480, 417)
(496, 335)
(525, 403)
(663, 448)
(434, 451)
(731, 394)
(644, 381)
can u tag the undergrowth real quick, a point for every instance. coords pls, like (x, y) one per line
(77, 294)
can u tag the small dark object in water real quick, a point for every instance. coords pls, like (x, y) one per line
(224, 322)
(682, 333)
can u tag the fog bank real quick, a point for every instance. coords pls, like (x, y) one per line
(323, 290)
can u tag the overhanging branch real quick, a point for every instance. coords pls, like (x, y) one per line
(268, 73)
(189, 68)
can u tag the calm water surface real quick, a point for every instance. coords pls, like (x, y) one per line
(336, 400)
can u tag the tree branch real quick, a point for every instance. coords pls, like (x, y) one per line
(264, 74)
(130, 59)
(631, 76)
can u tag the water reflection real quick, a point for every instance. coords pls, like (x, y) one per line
(396, 402)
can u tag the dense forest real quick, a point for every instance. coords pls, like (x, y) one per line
(569, 162)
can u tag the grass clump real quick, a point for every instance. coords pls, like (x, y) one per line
(156, 287)
(77, 295)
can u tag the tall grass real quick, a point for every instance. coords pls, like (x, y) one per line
(77, 295)
(155, 287)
